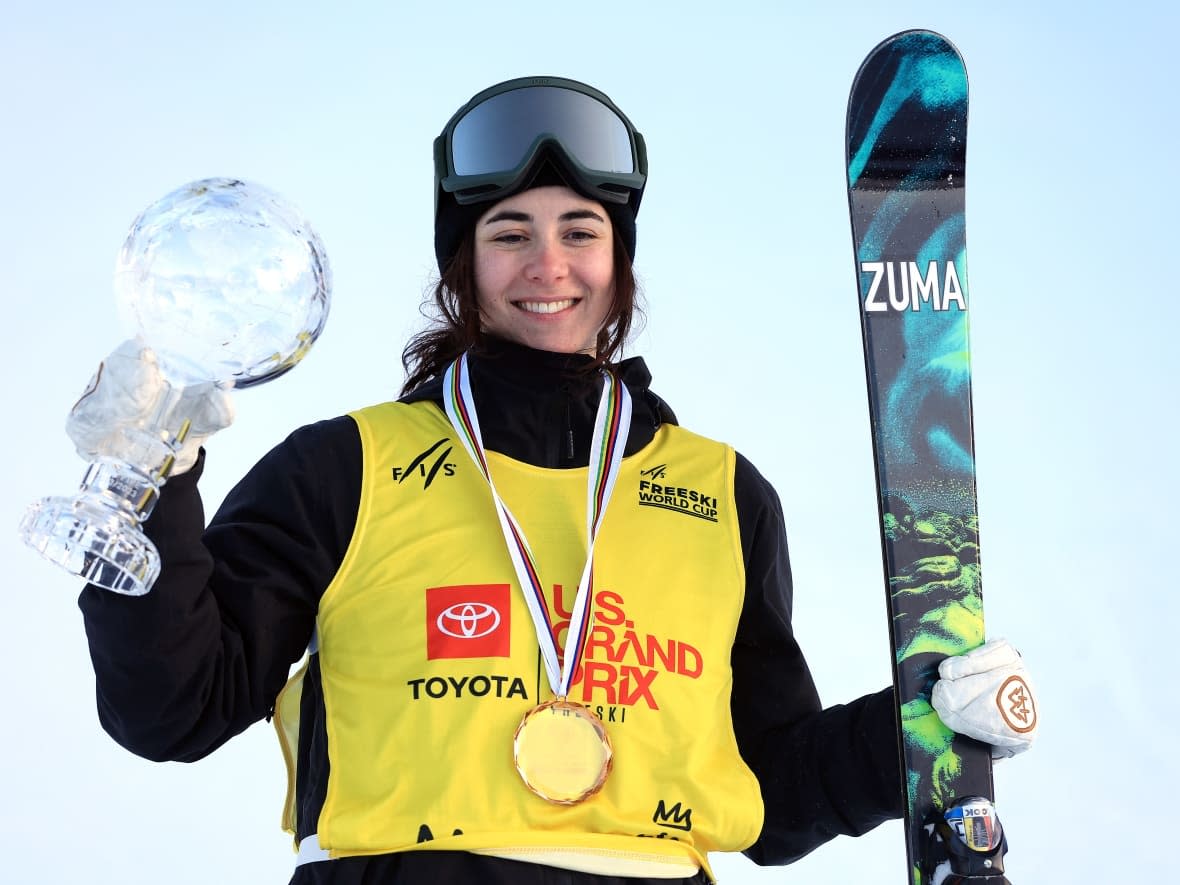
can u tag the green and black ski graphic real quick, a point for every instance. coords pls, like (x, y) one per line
(906, 155)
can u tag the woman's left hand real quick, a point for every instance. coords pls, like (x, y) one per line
(986, 694)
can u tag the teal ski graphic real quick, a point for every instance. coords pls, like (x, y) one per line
(906, 154)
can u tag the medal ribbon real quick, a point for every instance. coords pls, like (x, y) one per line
(611, 426)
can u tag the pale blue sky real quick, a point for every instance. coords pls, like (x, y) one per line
(752, 335)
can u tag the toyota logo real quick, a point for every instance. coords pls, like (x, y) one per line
(468, 620)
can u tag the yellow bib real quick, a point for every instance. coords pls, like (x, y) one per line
(428, 656)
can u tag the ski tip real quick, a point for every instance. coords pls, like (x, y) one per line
(920, 40)
(915, 42)
(911, 66)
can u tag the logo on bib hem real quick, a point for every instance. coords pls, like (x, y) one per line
(678, 499)
(424, 469)
(672, 817)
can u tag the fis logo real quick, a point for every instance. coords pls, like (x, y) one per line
(902, 285)
(427, 465)
(673, 818)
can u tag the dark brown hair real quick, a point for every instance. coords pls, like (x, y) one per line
(454, 312)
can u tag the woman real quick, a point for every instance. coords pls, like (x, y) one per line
(549, 629)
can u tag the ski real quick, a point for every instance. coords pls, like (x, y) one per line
(906, 153)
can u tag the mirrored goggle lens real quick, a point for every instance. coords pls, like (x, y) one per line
(495, 135)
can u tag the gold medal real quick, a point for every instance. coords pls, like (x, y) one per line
(562, 752)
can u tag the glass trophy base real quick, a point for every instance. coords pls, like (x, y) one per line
(94, 540)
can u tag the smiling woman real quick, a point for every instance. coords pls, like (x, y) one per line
(606, 689)
(544, 270)
(528, 135)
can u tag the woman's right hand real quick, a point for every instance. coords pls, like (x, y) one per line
(130, 393)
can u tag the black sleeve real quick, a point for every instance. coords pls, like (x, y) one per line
(205, 652)
(823, 772)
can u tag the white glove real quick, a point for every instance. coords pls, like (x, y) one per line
(986, 694)
(128, 401)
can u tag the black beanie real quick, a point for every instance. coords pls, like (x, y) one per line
(452, 221)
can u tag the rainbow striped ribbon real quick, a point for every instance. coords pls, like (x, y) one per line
(612, 423)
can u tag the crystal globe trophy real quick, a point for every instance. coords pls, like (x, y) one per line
(228, 285)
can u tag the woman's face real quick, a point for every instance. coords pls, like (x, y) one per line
(544, 269)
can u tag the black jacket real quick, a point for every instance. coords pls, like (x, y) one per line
(204, 654)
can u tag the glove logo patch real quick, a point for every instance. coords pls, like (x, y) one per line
(1016, 705)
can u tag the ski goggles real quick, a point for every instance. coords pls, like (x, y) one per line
(490, 145)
